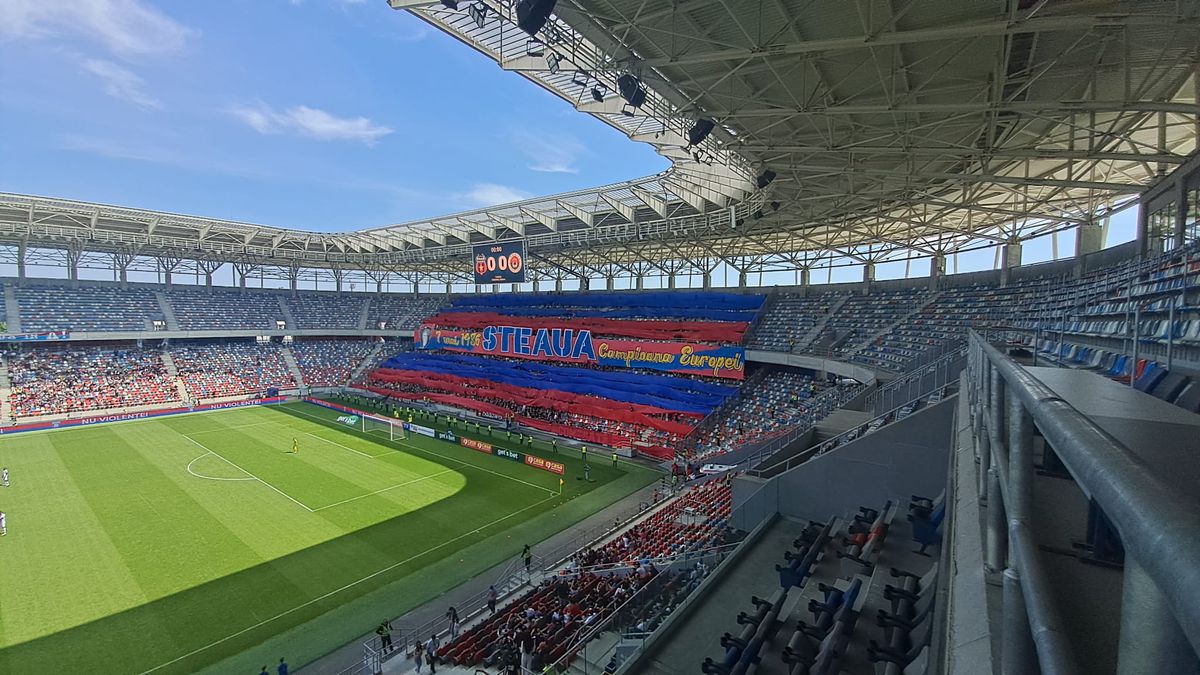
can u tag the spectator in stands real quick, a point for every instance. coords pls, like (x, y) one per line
(491, 599)
(452, 616)
(431, 648)
(282, 668)
(384, 631)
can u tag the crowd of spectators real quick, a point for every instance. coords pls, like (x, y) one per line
(782, 401)
(58, 381)
(330, 363)
(215, 370)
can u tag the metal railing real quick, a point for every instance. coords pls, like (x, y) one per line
(920, 381)
(514, 578)
(1158, 523)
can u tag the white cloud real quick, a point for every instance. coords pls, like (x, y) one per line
(128, 28)
(491, 194)
(549, 153)
(310, 122)
(120, 83)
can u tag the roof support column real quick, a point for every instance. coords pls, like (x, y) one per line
(208, 267)
(338, 274)
(293, 275)
(243, 270)
(121, 262)
(21, 246)
(166, 267)
(1010, 259)
(937, 269)
(74, 253)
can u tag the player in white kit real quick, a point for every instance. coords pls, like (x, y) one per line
(4, 476)
(3, 524)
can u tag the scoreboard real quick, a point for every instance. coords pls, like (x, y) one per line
(499, 262)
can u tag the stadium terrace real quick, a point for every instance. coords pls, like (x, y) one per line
(744, 416)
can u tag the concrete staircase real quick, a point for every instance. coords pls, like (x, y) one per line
(12, 311)
(286, 313)
(5, 391)
(365, 315)
(173, 371)
(813, 333)
(361, 369)
(290, 359)
(168, 311)
(861, 344)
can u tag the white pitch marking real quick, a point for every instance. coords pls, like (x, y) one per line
(198, 475)
(409, 482)
(341, 446)
(298, 502)
(339, 590)
(452, 459)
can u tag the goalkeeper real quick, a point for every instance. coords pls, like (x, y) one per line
(295, 447)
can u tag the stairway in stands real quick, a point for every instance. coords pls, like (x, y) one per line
(371, 358)
(813, 333)
(168, 311)
(5, 391)
(12, 311)
(862, 344)
(290, 359)
(289, 320)
(365, 315)
(173, 371)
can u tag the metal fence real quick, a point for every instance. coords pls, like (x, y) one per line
(513, 579)
(924, 379)
(1158, 524)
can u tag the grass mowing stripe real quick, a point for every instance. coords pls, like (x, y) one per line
(346, 447)
(343, 588)
(446, 457)
(298, 502)
(371, 494)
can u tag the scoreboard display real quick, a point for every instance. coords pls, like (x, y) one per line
(500, 262)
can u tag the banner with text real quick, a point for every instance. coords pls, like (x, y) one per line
(578, 346)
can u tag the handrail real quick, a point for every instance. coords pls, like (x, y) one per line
(1159, 524)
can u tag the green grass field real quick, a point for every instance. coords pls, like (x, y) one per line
(195, 542)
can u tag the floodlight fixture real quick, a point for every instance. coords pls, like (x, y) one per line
(478, 13)
(631, 90)
(534, 47)
(598, 93)
(552, 60)
(699, 131)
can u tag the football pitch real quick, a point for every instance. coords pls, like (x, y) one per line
(180, 544)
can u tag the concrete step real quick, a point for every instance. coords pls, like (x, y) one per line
(290, 320)
(168, 311)
(365, 315)
(290, 359)
(12, 311)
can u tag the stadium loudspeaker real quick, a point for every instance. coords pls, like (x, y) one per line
(699, 131)
(631, 90)
(765, 178)
(533, 14)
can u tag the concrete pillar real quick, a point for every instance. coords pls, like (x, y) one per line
(558, 285)
(805, 273)
(449, 288)
(478, 288)
(585, 283)
(1011, 255)
(124, 275)
(671, 280)
(640, 280)
(868, 272)
(708, 279)
(293, 282)
(610, 283)
(1090, 238)
(742, 278)
(21, 261)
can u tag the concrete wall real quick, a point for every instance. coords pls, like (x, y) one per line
(902, 459)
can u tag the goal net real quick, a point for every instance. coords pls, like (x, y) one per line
(391, 429)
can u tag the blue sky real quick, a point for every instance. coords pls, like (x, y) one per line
(317, 114)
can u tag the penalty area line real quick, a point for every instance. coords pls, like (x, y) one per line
(200, 475)
(293, 499)
(446, 457)
(343, 588)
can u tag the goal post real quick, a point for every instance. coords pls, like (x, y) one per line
(393, 429)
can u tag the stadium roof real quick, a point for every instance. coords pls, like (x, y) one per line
(895, 130)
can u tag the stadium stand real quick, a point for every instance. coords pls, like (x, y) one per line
(57, 381)
(330, 363)
(231, 369)
(86, 307)
(786, 327)
(200, 309)
(312, 310)
(780, 402)
(550, 616)
(401, 312)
